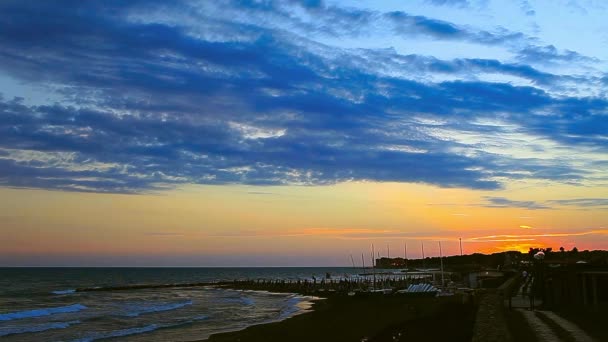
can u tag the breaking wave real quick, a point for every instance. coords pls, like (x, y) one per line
(41, 312)
(157, 308)
(63, 292)
(36, 328)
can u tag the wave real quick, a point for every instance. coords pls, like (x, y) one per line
(63, 292)
(247, 301)
(138, 330)
(146, 286)
(36, 328)
(291, 307)
(157, 308)
(296, 305)
(120, 333)
(41, 312)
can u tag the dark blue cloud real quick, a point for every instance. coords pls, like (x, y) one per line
(583, 202)
(501, 202)
(408, 24)
(458, 3)
(550, 54)
(149, 105)
(349, 21)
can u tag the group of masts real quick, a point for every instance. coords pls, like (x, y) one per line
(388, 251)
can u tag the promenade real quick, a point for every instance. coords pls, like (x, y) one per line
(546, 325)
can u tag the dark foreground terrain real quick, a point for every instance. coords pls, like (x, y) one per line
(371, 318)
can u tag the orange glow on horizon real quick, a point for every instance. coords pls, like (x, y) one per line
(327, 222)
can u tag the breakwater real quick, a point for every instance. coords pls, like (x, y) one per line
(340, 286)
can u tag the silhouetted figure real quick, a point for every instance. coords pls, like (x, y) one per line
(531, 295)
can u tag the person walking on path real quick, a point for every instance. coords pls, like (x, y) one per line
(531, 295)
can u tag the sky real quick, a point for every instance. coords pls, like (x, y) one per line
(299, 132)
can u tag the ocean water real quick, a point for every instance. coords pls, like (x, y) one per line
(41, 304)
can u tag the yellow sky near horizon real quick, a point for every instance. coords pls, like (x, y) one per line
(332, 221)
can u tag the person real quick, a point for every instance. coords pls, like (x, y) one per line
(531, 295)
(524, 274)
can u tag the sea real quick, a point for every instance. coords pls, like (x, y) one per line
(42, 304)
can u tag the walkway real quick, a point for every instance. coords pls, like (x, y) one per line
(547, 326)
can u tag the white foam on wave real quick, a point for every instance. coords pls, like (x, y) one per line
(41, 312)
(63, 292)
(157, 308)
(35, 328)
(248, 301)
(291, 307)
(296, 305)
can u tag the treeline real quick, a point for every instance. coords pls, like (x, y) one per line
(454, 262)
(497, 260)
(595, 257)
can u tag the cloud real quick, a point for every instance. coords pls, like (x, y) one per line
(407, 24)
(260, 193)
(384, 234)
(527, 8)
(532, 237)
(349, 21)
(501, 202)
(164, 234)
(582, 202)
(147, 105)
(457, 3)
(550, 54)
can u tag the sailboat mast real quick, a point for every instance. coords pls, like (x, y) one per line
(460, 239)
(373, 267)
(423, 261)
(405, 253)
(441, 263)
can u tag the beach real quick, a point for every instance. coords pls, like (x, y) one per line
(368, 318)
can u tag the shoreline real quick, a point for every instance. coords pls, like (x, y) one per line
(365, 318)
(313, 303)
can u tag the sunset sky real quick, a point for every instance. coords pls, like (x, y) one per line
(298, 133)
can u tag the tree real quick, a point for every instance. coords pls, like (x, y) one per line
(532, 252)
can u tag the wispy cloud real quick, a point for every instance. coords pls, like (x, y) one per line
(164, 234)
(502, 202)
(582, 202)
(532, 237)
(368, 234)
